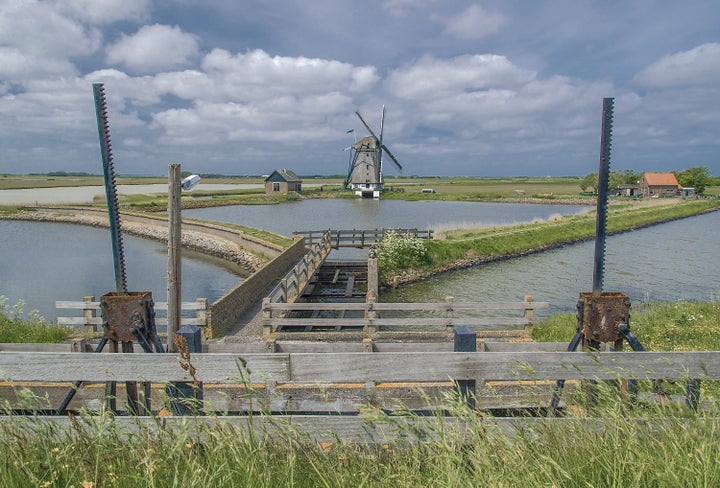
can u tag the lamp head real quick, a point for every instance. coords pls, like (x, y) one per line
(189, 182)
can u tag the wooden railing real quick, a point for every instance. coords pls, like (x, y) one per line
(92, 321)
(294, 282)
(369, 316)
(357, 237)
(270, 373)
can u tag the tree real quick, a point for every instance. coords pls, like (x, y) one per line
(589, 181)
(698, 177)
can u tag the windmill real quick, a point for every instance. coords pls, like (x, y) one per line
(365, 166)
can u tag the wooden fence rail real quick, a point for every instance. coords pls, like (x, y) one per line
(358, 237)
(319, 368)
(277, 316)
(92, 321)
(276, 371)
(294, 282)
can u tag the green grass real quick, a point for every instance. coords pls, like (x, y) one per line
(34, 329)
(668, 448)
(660, 326)
(493, 243)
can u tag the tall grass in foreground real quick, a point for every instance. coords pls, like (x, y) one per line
(34, 329)
(610, 449)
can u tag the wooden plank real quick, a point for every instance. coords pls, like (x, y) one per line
(506, 366)
(382, 306)
(99, 321)
(75, 305)
(361, 367)
(350, 285)
(404, 323)
(330, 428)
(211, 368)
(442, 306)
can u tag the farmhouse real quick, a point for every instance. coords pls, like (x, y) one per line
(282, 181)
(658, 185)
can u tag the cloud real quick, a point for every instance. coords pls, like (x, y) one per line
(105, 11)
(698, 66)
(474, 23)
(40, 32)
(430, 77)
(154, 48)
(256, 74)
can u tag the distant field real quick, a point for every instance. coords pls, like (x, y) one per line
(405, 188)
(541, 186)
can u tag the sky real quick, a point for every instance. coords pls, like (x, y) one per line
(243, 87)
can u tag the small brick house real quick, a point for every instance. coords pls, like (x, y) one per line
(658, 185)
(282, 181)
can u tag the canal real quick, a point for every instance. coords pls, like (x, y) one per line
(45, 262)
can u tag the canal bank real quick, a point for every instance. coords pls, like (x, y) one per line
(467, 249)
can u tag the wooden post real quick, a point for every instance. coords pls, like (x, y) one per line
(529, 312)
(186, 397)
(266, 316)
(449, 313)
(89, 313)
(174, 246)
(465, 340)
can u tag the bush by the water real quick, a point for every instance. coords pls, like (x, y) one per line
(33, 329)
(398, 252)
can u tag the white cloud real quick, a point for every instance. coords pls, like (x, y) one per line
(39, 31)
(256, 74)
(698, 66)
(474, 23)
(432, 78)
(106, 11)
(154, 48)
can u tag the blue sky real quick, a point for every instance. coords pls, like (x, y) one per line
(491, 88)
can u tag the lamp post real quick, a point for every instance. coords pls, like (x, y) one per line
(174, 278)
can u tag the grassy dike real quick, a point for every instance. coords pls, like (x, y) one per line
(461, 249)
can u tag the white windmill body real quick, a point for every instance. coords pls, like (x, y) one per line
(365, 172)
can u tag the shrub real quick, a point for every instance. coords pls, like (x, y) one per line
(397, 252)
(14, 328)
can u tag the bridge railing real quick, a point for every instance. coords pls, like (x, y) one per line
(358, 237)
(296, 280)
(92, 321)
(369, 316)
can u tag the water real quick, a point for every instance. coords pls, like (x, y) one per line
(43, 262)
(367, 213)
(668, 262)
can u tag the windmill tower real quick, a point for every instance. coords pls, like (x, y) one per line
(365, 168)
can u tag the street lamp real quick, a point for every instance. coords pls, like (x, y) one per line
(175, 187)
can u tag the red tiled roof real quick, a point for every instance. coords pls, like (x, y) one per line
(660, 179)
